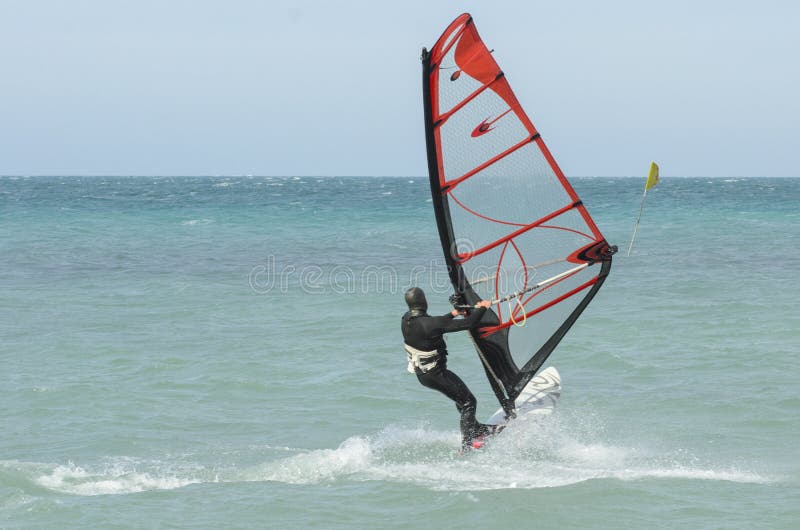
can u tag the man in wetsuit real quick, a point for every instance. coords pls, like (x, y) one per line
(427, 358)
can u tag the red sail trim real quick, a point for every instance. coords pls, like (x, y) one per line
(524, 265)
(458, 26)
(462, 64)
(509, 223)
(557, 170)
(498, 307)
(485, 332)
(537, 292)
(487, 125)
(587, 236)
(473, 58)
(497, 279)
(462, 257)
(486, 217)
(448, 185)
(568, 187)
(479, 64)
(592, 253)
(590, 222)
(446, 116)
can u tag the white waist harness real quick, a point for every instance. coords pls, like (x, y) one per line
(422, 360)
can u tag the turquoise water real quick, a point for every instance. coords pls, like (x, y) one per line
(225, 353)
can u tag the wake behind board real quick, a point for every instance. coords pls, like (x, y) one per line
(539, 397)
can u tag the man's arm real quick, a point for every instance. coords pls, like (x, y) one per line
(473, 318)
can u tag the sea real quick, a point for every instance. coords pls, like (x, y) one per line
(225, 352)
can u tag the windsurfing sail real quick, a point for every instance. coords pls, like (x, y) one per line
(512, 228)
(652, 180)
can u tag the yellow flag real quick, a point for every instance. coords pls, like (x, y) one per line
(652, 177)
(652, 180)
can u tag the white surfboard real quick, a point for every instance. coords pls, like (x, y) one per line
(539, 397)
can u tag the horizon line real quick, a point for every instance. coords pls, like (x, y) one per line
(121, 175)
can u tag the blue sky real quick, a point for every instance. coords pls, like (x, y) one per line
(200, 87)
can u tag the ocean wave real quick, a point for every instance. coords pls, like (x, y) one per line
(526, 458)
(538, 455)
(112, 477)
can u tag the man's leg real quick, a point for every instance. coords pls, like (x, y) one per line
(453, 387)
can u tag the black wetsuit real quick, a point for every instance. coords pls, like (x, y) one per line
(424, 333)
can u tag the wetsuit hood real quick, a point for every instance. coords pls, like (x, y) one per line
(417, 304)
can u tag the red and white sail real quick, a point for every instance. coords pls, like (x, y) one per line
(512, 228)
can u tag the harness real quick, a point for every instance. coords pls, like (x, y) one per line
(424, 361)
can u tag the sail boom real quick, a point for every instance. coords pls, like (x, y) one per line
(541, 284)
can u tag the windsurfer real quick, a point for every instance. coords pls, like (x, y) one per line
(427, 358)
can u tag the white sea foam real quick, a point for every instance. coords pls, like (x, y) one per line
(112, 478)
(354, 455)
(540, 456)
(523, 459)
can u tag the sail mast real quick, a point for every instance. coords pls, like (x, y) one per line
(446, 236)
